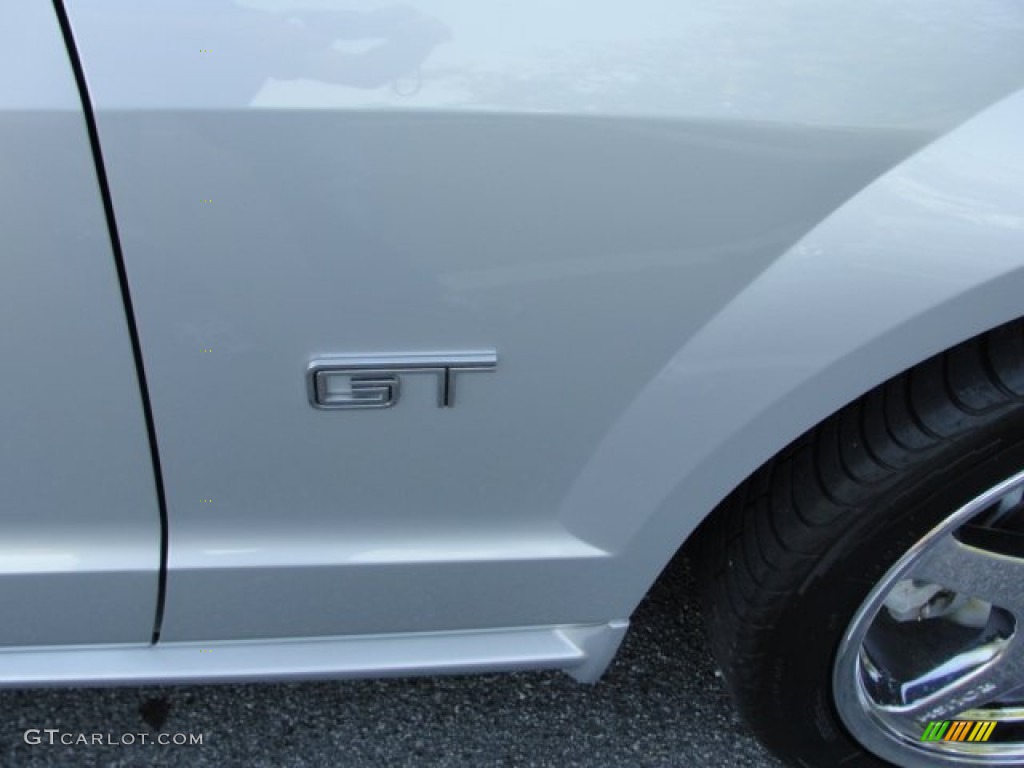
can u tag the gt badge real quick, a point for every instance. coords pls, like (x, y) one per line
(374, 381)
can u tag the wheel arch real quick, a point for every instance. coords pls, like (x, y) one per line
(926, 257)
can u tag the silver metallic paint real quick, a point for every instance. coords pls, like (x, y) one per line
(672, 206)
(582, 651)
(79, 522)
(928, 256)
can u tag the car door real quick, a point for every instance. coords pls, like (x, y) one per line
(80, 532)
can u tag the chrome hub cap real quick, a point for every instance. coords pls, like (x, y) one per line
(940, 640)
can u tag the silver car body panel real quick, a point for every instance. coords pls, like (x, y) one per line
(690, 231)
(79, 521)
(582, 651)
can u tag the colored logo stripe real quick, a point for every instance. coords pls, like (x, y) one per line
(959, 730)
(935, 730)
(982, 731)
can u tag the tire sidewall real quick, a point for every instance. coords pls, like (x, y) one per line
(811, 627)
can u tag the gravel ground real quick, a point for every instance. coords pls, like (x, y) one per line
(660, 704)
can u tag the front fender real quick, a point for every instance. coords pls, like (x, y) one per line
(925, 257)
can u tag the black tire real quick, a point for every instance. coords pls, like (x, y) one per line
(788, 558)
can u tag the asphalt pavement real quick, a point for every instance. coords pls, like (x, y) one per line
(660, 704)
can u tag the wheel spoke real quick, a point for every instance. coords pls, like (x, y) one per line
(941, 637)
(990, 576)
(984, 673)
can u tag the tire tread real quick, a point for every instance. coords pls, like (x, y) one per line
(760, 543)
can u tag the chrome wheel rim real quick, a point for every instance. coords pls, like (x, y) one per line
(940, 639)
